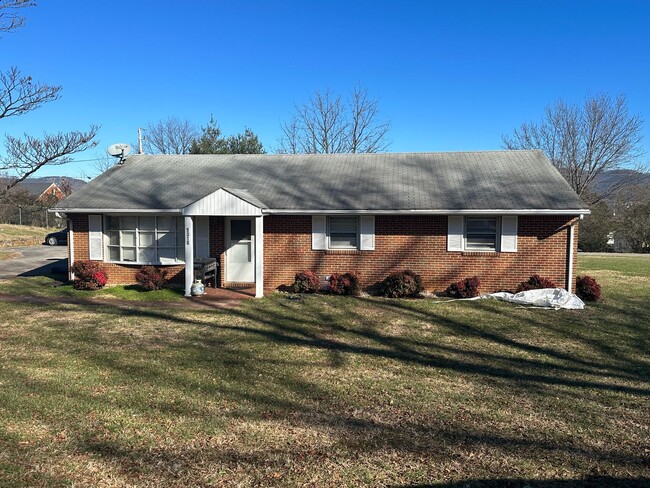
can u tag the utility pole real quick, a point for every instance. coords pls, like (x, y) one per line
(140, 129)
(20, 215)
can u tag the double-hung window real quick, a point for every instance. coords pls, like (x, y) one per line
(145, 240)
(343, 232)
(481, 233)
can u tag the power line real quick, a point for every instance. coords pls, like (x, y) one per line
(86, 160)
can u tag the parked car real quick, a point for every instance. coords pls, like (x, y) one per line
(57, 238)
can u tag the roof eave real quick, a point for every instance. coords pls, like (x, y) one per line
(167, 211)
(527, 211)
(272, 211)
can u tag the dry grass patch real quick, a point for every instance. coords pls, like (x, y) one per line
(6, 255)
(22, 235)
(331, 391)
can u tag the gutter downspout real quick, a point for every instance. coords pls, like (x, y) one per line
(569, 279)
(259, 256)
(70, 250)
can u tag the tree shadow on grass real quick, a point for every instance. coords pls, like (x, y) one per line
(271, 385)
(586, 482)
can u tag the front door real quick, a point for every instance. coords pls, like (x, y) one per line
(240, 242)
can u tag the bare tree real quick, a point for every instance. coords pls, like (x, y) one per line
(170, 136)
(366, 134)
(10, 18)
(633, 219)
(27, 155)
(20, 95)
(66, 187)
(328, 124)
(103, 162)
(584, 141)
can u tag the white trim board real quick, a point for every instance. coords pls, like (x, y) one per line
(428, 212)
(270, 211)
(118, 211)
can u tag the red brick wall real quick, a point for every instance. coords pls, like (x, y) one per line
(117, 273)
(52, 193)
(401, 242)
(418, 243)
(218, 245)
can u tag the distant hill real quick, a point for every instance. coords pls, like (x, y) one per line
(75, 183)
(619, 177)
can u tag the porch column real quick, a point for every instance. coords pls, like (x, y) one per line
(189, 255)
(259, 256)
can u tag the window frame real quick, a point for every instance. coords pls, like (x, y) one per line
(497, 233)
(329, 233)
(138, 232)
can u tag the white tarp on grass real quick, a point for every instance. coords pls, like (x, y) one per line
(544, 297)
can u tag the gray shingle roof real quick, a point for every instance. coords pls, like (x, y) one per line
(508, 180)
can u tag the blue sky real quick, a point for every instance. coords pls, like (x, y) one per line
(449, 75)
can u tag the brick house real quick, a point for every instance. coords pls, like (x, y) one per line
(41, 191)
(500, 215)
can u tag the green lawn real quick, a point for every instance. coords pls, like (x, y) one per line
(329, 391)
(631, 265)
(47, 287)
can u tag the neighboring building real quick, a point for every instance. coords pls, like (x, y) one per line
(499, 215)
(41, 191)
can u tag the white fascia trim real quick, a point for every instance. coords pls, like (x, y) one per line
(124, 211)
(430, 212)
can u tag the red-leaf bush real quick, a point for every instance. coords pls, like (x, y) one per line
(536, 282)
(344, 284)
(89, 275)
(466, 288)
(588, 289)
(401, 284)
(151, 278)
(306, 282)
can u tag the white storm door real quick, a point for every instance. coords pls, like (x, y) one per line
(240, 250)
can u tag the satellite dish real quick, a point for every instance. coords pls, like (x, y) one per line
(120, 150)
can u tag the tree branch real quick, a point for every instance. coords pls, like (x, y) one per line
(19, 95)
(27, 155)
(9, 17)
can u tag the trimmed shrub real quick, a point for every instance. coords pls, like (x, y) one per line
(588, 288)
(344, 284)
(401, 284)
(536, 282)
(151, 278)
(466, 288)
(89, 275)
(306, 282)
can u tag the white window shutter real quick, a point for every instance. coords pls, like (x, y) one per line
(95, 237)
(367, 231)
(318, 232)
(455, 230)
(202, 237)
(509, 233)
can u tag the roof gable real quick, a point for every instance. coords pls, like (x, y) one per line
(223, 202)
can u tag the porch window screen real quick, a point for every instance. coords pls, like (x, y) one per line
(145, 240)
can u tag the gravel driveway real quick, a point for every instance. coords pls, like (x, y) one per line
(35, 261)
